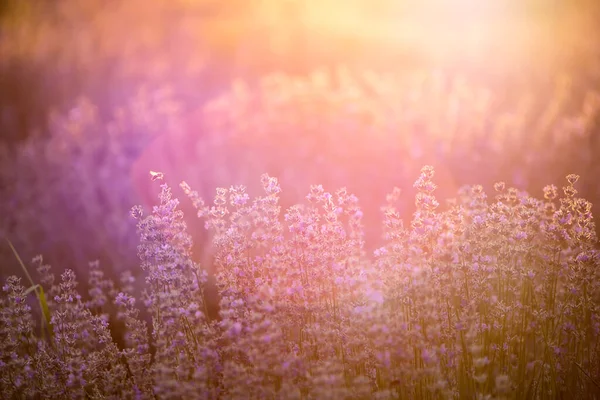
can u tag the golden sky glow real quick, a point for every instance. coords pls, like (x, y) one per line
(466, 30)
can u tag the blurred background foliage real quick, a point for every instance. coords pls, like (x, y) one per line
(54, 52)
(86, 85)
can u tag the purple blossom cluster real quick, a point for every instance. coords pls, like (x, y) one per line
(473, 282)
(336, 126)
(489, 298)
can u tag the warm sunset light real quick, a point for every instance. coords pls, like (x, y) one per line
(299, 199)
(441, 31)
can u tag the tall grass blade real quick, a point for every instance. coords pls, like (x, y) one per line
(39, 292)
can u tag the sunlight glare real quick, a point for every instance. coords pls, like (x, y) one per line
(444, 30)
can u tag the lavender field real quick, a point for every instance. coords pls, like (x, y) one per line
(292, 200)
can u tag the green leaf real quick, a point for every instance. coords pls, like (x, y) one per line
(38, 289)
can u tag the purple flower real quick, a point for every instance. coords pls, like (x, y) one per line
(520, 235)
